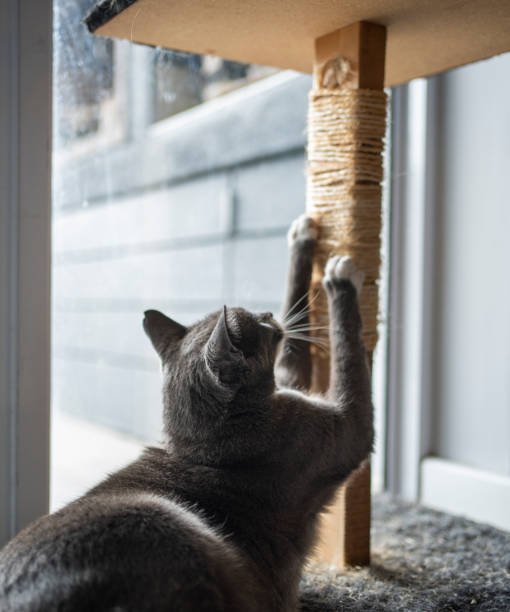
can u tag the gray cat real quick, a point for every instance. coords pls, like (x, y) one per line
(224, 516)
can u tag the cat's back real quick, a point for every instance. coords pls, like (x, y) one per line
(130, 550)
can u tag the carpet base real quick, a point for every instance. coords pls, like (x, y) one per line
(422, 560)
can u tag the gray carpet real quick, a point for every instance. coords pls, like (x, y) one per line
(421, 560)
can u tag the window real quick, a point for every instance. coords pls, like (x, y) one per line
(170, 191)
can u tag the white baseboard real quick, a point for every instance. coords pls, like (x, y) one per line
(459, 489)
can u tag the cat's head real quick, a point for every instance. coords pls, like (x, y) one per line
(216, 365)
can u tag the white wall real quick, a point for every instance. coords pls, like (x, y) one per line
(466, 469)
(471, 357)
(448, 399)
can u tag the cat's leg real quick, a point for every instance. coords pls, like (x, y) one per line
(293, 364)
(329, 437)
(349, 374)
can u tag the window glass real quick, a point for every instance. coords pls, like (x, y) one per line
(182, 80)
(164, 196)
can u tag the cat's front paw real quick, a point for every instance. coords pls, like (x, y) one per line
(303, 229)
(342, 268)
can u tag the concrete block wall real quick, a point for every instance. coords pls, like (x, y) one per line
(209, 230)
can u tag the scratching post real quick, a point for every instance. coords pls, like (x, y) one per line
(346, 127)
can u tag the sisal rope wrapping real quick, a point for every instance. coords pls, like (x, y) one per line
(346, 128)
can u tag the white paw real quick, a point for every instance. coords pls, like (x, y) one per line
(302, 228)
(343, 268)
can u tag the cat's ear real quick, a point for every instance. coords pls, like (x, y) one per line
(162, 330)
(225, 362)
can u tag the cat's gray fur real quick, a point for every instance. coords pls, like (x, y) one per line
(224, 516)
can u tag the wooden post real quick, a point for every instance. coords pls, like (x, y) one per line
(345, 531)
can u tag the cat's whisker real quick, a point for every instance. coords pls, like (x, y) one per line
(297, 315)
(299, 319)
(319, 342)
(290, 314)
(305, 328)
(318, 336)
(295, 305)
(320, 346)
(289, 321)
(303, 336)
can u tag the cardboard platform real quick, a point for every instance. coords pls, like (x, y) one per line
(423, 37)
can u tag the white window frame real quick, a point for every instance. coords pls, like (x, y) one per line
(413, 208)
(25, 254)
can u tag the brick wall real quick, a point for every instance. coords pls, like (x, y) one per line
(189, 217)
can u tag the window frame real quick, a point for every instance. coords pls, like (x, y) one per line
(25, 256)
(414, 138)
